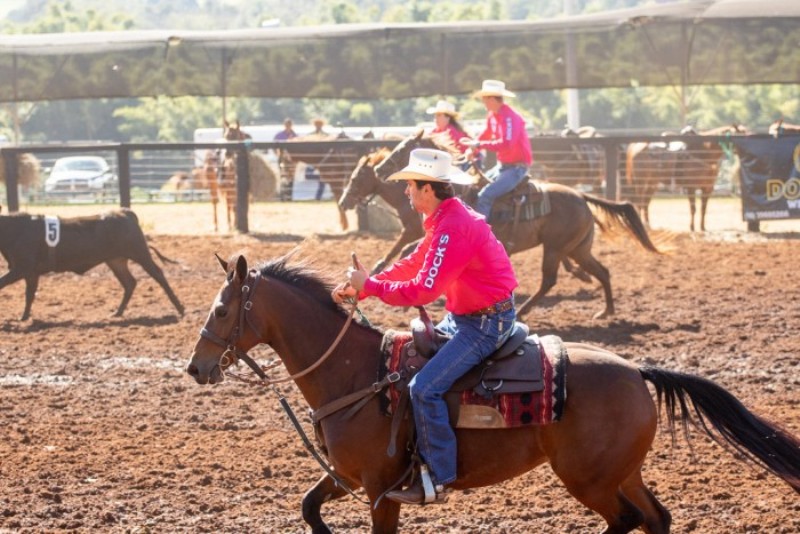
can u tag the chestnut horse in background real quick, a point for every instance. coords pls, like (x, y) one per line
(565, 233)
(227, 171)
(597, 449)
(693, 164)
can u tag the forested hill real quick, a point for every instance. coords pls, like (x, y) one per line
(231, 14)
(175, 119)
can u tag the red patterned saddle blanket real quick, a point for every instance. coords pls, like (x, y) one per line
(526, 388)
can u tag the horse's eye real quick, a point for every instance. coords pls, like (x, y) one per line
(220, 312)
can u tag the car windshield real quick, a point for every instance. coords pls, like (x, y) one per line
(79, 165)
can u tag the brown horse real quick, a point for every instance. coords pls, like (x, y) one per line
(566, 232)
(597, 449)
(332, 164)
(364, 184)
(693, 164)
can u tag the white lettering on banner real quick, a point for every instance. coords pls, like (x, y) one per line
(437, 262)
(509, 128)
(793, 204)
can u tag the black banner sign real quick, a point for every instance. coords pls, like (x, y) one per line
(770, 177)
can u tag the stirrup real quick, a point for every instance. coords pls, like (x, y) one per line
(433, 494)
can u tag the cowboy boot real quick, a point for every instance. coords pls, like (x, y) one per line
(421, 491)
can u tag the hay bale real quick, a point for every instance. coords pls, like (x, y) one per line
(263, 178)
(28, 170)
(380, 218)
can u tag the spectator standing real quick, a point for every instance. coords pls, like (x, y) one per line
(311, 172)
(287, 132)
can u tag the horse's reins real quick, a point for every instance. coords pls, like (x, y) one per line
(226, 360)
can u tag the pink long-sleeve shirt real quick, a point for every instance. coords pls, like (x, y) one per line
(454, 133)
(505, 134)
(459, 257)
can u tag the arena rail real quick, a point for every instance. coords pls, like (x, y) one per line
(570, 152)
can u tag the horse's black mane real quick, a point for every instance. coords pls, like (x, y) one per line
(308, 280)
(299, 275)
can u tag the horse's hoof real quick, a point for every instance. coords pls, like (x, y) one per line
(603, 314)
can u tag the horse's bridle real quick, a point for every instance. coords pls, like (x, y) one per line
(395, 167)
(361, 197)
(232, 351)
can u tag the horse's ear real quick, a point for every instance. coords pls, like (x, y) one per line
(241, 268)
(419, 133)
(222, 263)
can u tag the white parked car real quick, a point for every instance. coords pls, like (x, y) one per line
(88, 174)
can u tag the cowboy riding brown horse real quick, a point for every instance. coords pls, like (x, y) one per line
(597, 448)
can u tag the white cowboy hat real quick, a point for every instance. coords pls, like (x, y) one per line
(494, 88)
(443, 106)
(431, 165)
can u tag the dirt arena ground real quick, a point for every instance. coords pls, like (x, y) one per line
(101, 430)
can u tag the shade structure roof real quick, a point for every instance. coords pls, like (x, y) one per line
(676, 44)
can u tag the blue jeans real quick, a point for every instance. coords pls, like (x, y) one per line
(505, 179)
(474, 338)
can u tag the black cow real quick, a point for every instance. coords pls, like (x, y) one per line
(112, 238)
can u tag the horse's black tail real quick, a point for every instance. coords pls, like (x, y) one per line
(161, 256)
(624, 214)
(759, 440)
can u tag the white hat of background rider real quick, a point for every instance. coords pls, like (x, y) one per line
(494, 88)
(443, 106)
(431, 166)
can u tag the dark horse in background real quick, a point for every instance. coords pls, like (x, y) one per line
(693, 164)
(579, 164)
(597, 449)
(334, 164)
(364, 184)
(565, 233)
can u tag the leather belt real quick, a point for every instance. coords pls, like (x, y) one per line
(518, 164)
(497, 307)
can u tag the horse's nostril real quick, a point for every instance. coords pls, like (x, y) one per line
(192, 370)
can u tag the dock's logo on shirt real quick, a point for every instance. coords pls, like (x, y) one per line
(437, 261)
